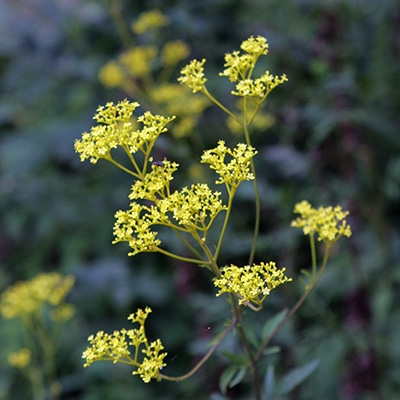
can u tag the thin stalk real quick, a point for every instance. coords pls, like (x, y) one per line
(256, 191)
(297, 305)
(225, 225)
(203, 360)
(246, 344)
(181, 258)
(114, 9)
(221, 106)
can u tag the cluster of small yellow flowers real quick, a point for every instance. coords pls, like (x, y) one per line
(20, 359)
(178, 100)
(189, 210)
(115, 347)
(152, 19)
(173, 52)
(240, 68)
(193, 208)
(118, 130)
(136, 62)
(328, 223)
(251, 283)
(259, 87)
(234, 171)
(111, 75)
(155, 184)
(192, 75)
(136, 221)
(27, 298)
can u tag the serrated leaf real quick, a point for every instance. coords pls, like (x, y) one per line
(271, 324)
(296, 377)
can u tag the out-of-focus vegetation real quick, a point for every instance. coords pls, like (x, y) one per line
(335, 139)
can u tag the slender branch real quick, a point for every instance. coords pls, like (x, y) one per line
(204, 359)
(297, 305)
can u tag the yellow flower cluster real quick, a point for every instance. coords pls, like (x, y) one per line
(192, 75)
(189, 210)
(148, 20)
(118, 129)
(232, 165)
(20, 359)
(251, 283)
(239, 69)
(328, 223)
(178, 100)
(116, 347)
(174, 52)
(26, 299)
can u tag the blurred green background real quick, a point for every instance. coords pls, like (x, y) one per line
(335, 140)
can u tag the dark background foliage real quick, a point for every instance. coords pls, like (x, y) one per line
(336, 140)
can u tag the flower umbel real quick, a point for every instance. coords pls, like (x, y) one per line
(119, 129)
(328, 222)
(232, 165)
(251, 283)
(26, 299)
(193, 75)
(116, 347)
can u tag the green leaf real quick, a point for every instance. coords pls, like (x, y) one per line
(251, 336)
(271, 350)
(271, 324)
(269, 382)
(296, 377)
(235, 358)
(231, 377)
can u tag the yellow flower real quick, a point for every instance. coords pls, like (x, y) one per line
(152, 19)
(20, 359)
(116, 347)
(173, 52)
(255, 45)
(251, 283)
(328, 222)
(259, 87)
(232, 165)
(193, 208)
(192, 75)
(118, 129)
(26, 298)
(111, 75)
(137, 60)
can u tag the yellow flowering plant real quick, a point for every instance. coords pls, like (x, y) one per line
(40, 306)
(144, 71)
(190, 213)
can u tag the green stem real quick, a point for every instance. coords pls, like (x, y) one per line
(221, 106)
(225, 225)
(181, 258)
(299, 302)
(256, 190)
(246, 344)
(203, 360)
(115, 10)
